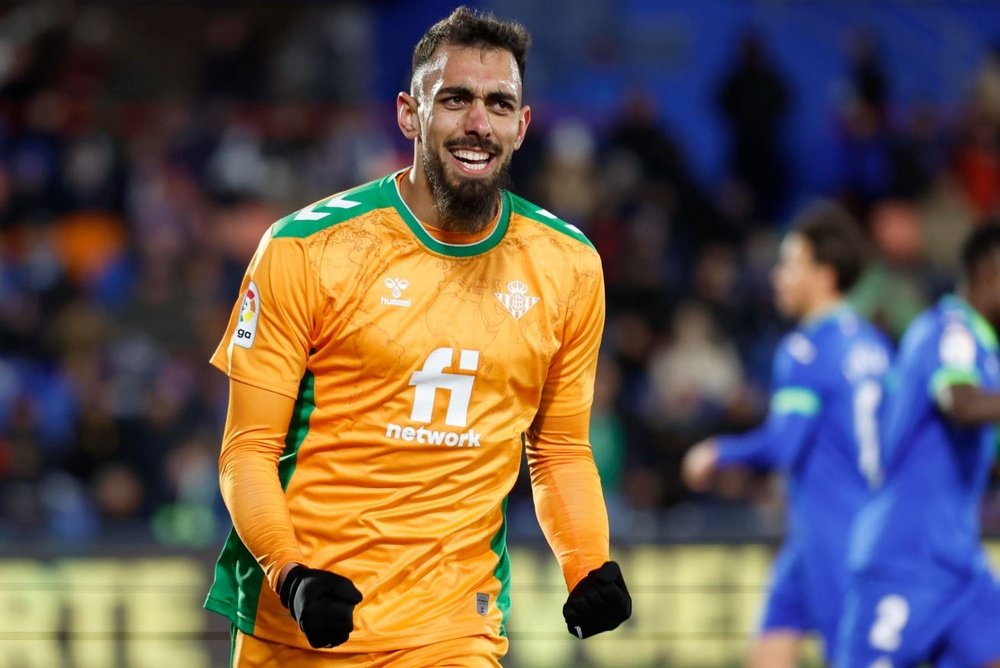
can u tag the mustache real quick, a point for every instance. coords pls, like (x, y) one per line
(470, 143)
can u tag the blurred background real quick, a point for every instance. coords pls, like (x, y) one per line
(145, 147)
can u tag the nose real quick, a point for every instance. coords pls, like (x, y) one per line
(477, 120)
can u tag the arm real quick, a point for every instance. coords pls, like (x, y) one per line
(254, 438)
(968, 405)
(321, 602)
(792, 416)
(775, 444)
(568, 497)
(955, 383)
(264, 352)
(564, 479)
(791, 419)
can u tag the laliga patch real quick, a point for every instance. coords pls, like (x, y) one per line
(246, 324)
(958, 348)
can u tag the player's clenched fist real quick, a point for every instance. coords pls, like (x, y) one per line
(598, 603)
(322, 603)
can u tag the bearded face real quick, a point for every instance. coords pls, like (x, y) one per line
(466, 204)
(467, 119)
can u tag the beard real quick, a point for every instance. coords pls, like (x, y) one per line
(469, 205)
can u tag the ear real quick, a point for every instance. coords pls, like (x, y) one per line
(406, 116)
(522, 126)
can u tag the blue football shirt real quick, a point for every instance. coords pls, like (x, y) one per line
(821, 429)
(923, 524)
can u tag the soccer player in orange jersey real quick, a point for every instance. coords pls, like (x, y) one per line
(394, 348)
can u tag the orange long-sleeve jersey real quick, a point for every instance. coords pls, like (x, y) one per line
(383, 383)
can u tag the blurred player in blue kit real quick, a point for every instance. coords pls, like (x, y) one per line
(921, 589)
(821, 431)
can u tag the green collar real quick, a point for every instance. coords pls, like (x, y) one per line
(981, 327)
(390, 191)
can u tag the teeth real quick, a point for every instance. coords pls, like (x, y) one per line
(474, 156)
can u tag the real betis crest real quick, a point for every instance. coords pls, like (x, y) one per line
(517, 301)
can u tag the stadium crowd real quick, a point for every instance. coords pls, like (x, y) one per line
(129, 208)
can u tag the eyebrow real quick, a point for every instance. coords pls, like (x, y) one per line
(462, 91)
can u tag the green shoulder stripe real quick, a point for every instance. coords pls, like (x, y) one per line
(329, 211)
(980, 326)
(983, 331)
(797, 400)
(945, 377)
(523, 207)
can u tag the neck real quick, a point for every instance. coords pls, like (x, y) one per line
(445, 211)
(416, 192)
(972, 298)
(820, 307)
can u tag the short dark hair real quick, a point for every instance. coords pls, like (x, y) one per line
(983, 240)
(835, 239)
(468, 27)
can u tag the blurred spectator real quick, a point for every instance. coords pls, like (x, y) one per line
(696, 375)
(863, 166)
(865, 169)
(891, 292)
(569, 180)
(868, 81)
(916, 154)
(607, 432)
(230, 66)
(977, 165)
(985, 98)
(753, 99)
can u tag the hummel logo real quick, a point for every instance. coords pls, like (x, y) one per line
(517, 301)
(396, 285)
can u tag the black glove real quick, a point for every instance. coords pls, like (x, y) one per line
(598, 603)
(322, 603)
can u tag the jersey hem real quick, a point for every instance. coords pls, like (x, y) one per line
(388, 644)
(395, 643)
(236, 618)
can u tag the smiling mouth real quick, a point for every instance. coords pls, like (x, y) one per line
(472, 160)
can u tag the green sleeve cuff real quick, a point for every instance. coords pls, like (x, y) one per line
(947, 376)
(795, 400)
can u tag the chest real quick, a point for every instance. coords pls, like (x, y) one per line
(497, 316)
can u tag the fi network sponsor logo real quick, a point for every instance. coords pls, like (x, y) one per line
(427, 381)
